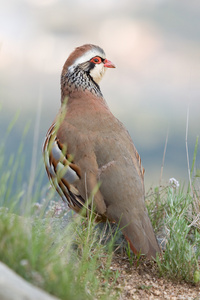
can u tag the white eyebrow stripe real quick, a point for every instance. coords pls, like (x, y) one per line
(86, 57)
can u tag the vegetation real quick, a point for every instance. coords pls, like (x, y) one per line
(177, 222)
(175, 215)
(67, 261)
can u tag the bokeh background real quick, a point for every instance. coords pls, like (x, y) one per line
(155, 45)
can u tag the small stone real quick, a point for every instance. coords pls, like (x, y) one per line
(133, 291)
(157, 292)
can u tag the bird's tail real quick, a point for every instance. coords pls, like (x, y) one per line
(140, 235)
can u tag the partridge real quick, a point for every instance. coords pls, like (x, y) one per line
(87, 147)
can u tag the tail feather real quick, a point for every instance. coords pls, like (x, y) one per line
(138, 231)
(142, 241)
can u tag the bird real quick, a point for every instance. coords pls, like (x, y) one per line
(89, 154)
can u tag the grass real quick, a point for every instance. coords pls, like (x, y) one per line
(67, 261)
(175, 215)
(64, 254)
(178, 223)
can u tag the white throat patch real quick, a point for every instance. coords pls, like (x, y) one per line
(97, 72)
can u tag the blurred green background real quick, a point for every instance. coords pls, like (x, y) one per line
(155, 46)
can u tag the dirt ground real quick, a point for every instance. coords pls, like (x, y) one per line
(143, 282)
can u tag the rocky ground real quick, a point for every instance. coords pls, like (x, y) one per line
(143, 282)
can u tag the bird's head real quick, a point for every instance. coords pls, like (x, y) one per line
(88, 59)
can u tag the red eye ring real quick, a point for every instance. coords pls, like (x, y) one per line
(96, 60)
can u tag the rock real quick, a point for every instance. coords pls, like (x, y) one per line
(13, 287)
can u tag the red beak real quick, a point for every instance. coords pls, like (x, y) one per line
(108, 64)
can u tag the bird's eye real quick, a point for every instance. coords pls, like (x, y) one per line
(96, 60)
